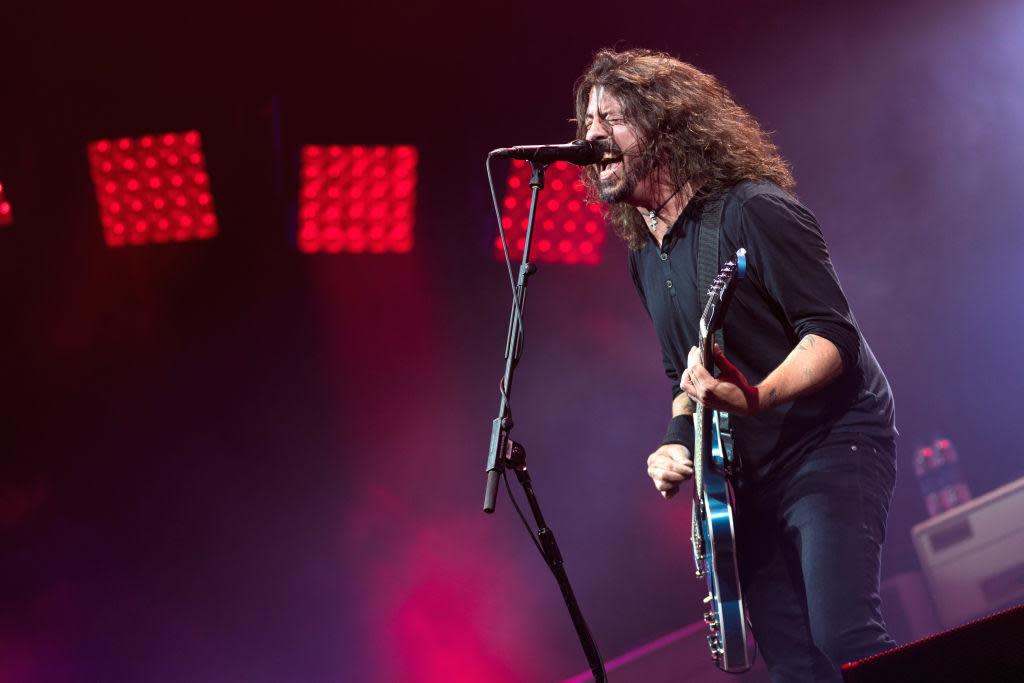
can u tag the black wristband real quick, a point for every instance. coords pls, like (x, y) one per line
(680, 431)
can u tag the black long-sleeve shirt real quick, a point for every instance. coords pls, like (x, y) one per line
(791, 290)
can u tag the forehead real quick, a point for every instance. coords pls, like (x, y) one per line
(602, 101)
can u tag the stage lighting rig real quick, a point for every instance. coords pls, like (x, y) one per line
(153, 189)
(358, 199)
(568, 230)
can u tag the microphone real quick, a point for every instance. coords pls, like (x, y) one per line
(579, 152)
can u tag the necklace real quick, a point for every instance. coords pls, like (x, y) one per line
(653, 215)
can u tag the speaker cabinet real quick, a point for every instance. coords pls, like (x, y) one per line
(972, 556)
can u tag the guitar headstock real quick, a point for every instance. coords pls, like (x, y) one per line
(720, 292)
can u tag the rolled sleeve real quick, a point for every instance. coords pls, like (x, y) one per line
(787, 253)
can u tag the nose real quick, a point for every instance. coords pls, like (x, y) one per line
(596, 131)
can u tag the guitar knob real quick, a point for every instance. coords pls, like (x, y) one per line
(715, 647)
(701, 573)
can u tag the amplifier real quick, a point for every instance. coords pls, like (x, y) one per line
(972, 556)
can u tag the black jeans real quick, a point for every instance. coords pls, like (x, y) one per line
(809, 551)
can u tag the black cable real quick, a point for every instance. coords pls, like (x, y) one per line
(517, 303)
(501, 228)
(529, 529)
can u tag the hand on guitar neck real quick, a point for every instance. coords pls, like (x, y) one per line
(730, 391)
(811, 365)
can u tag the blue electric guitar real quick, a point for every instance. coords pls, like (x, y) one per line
(714, 542)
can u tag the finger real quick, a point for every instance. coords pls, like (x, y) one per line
(678, 458)
(690, 381)
(666, 486)
(683, 467)
(669, 460)
(658, 474)
(701, 385)
(693, 357)
(659, 460)
(668, 494)
(699, 376)
(674, 472)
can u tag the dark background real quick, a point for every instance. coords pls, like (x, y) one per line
(229, 461)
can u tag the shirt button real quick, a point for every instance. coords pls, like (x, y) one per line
(664, 257)
(668, 283)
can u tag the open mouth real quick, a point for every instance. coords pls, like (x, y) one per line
(609, 165)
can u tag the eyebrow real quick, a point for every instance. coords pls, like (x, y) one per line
(603, 114)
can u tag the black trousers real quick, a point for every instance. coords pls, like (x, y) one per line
(809, 551)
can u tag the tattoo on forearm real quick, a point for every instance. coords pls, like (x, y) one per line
(806, 343)
(773, 396)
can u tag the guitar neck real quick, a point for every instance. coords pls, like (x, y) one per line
(702, 423)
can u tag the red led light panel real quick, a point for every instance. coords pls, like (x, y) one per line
(357, 199)
(567, 229)
(153, 189)
(6, 217)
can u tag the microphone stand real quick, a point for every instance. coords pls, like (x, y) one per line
(504, 452)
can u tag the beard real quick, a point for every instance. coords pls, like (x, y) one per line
(617, 188)
(622, 186)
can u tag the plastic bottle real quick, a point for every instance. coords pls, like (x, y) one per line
(952, 486)
(925, 466)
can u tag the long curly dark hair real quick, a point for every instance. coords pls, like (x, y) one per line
(687, 124)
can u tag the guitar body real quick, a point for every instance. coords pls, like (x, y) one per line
(713, 533)
(718, 563)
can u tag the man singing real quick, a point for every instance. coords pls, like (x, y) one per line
(813, 414)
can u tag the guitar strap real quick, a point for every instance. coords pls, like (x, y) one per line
(708, 265)
(708, 232)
